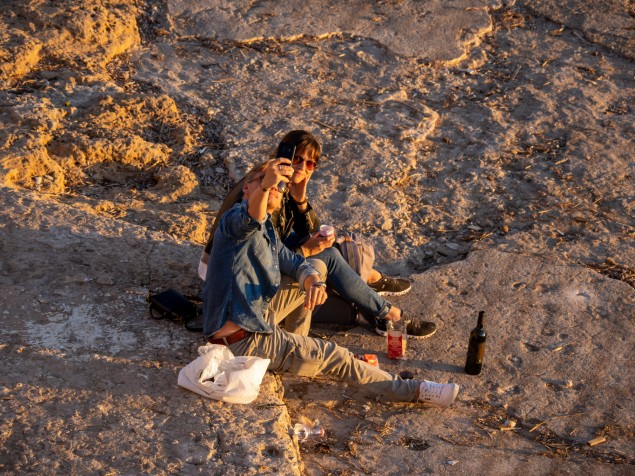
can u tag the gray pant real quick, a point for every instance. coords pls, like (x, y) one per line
(288, 303)
(308, 357)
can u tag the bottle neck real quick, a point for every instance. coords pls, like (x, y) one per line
(479, 325)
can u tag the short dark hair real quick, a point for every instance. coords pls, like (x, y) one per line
(304, 141)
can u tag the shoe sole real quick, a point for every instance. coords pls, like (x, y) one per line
(384, 334)
(393, 293)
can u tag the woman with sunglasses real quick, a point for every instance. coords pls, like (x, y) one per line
(297, 225)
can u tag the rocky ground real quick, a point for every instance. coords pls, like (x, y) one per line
(485, 147)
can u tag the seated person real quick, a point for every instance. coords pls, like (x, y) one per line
(297, 224)
(246, 266)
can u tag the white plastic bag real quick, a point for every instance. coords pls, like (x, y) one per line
(217, 374)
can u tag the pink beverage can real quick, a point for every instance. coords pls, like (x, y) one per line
(326, 230)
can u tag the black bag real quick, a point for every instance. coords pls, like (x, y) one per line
(174, 306)
(335, 311)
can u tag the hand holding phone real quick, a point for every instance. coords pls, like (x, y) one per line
(286, 150)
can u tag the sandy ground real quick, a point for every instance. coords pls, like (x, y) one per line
(485, 147)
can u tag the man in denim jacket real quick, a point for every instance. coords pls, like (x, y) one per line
(247, 267)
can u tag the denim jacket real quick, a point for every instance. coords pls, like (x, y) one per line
(244, 272)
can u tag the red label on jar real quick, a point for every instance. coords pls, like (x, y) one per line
(396, 345)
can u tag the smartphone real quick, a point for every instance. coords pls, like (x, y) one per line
(286, 150)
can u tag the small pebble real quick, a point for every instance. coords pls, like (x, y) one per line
(508, 425)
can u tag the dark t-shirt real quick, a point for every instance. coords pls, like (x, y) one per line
(289, 221)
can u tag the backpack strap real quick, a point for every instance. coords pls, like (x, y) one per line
(351, 253)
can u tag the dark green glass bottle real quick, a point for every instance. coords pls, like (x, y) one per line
(476, 348)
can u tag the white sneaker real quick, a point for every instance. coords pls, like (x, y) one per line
(441, 394)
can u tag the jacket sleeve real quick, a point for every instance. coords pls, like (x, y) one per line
(237, 225)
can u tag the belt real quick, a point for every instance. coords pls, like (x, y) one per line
(231, 338)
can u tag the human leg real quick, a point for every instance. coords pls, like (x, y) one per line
(374, 308)
(288, 303)
(308, 357)
(351, 287)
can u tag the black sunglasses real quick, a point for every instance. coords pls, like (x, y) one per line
(298, 159)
